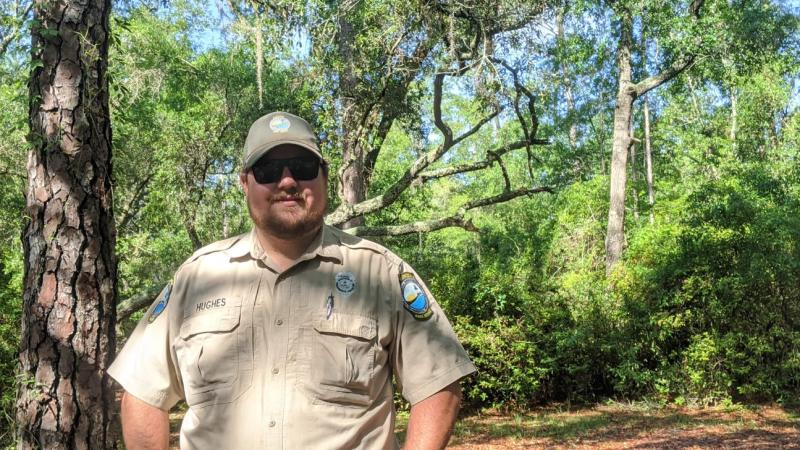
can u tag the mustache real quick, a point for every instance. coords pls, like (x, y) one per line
(296, 196)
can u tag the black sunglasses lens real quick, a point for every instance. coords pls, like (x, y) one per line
(304, 169)
(271, 170)
(267, 173)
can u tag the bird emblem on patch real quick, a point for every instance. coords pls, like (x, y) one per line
(161, 303)
(415, 300)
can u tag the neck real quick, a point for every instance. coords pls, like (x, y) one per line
(285, 251)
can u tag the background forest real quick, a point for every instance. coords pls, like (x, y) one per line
(478, 140)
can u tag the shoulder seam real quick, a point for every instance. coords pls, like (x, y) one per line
(214, 247)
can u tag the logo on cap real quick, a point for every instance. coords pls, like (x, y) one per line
(279, 124)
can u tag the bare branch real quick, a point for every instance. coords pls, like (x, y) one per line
(477, 127)
(126, 308)
(130, 210)
(657, 80)
(673, 70)
(499, 161)
(412, 228)
(456, 220)
(471, 167)
(505, 196)
(438, 81)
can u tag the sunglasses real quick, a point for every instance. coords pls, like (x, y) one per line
(303, 168)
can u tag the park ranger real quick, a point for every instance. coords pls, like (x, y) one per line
(288, 336)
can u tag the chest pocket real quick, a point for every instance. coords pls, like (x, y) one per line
(215, 354)
(343, 359)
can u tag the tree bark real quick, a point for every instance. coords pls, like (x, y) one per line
(353, 178)
(634, 179)
(626, 94)
(68, 338)
(648, 160)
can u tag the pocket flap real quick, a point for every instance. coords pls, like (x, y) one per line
(211, 322)
(347, 324)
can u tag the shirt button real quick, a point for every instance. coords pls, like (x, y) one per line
(279, 322)
(275, 370)
(271, 423)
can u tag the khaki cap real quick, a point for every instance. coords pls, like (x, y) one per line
(274, 129)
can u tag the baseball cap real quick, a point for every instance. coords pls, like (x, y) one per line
(274, 129)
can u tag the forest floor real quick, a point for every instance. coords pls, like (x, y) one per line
(619, 426)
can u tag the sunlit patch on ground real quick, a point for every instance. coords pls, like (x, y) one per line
(623, 426)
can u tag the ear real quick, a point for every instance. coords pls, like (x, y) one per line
(243, 181)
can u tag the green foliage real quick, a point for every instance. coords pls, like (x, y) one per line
(509, 365)
(713, 299)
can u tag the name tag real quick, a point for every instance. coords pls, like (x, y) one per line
(209, 304)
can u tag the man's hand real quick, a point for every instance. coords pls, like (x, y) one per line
(432, 420)
(144, 427)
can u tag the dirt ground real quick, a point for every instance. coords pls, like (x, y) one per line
(619, 426)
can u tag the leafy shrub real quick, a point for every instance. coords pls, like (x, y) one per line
(715, 298)
(509, 364)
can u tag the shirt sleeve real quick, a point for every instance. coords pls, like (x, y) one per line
(426, 353)
(145, 367)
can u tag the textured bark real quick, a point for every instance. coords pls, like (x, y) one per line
(68, 336)
(626, 94)
(354, 186)
(634, 179)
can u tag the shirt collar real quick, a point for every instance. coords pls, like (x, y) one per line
(325, 244)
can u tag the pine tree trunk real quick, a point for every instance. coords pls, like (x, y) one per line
(69, 301)
(626, 94)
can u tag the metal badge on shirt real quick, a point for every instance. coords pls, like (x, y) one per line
(161, 304)
(416, 301)
(345, 283)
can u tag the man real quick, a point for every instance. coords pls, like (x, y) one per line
(288, 336)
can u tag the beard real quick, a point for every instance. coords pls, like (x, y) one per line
(290, 224)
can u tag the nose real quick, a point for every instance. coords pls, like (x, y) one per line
(287, 179)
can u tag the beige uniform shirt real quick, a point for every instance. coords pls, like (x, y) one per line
(301, 359)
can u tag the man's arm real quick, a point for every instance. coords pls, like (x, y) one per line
(432, 419)
(144, 427)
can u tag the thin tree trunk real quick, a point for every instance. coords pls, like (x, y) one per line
(734, 119)
(648, 160)
(615, 234)
(68, 338)
(627, 93)
(353, 188)
(648, 155)
(567, 82)
(634, 191)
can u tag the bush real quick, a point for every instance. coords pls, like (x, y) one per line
(509, 363)
(715, 299)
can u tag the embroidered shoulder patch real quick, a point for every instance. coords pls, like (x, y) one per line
(415, 300)
(161, 304)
